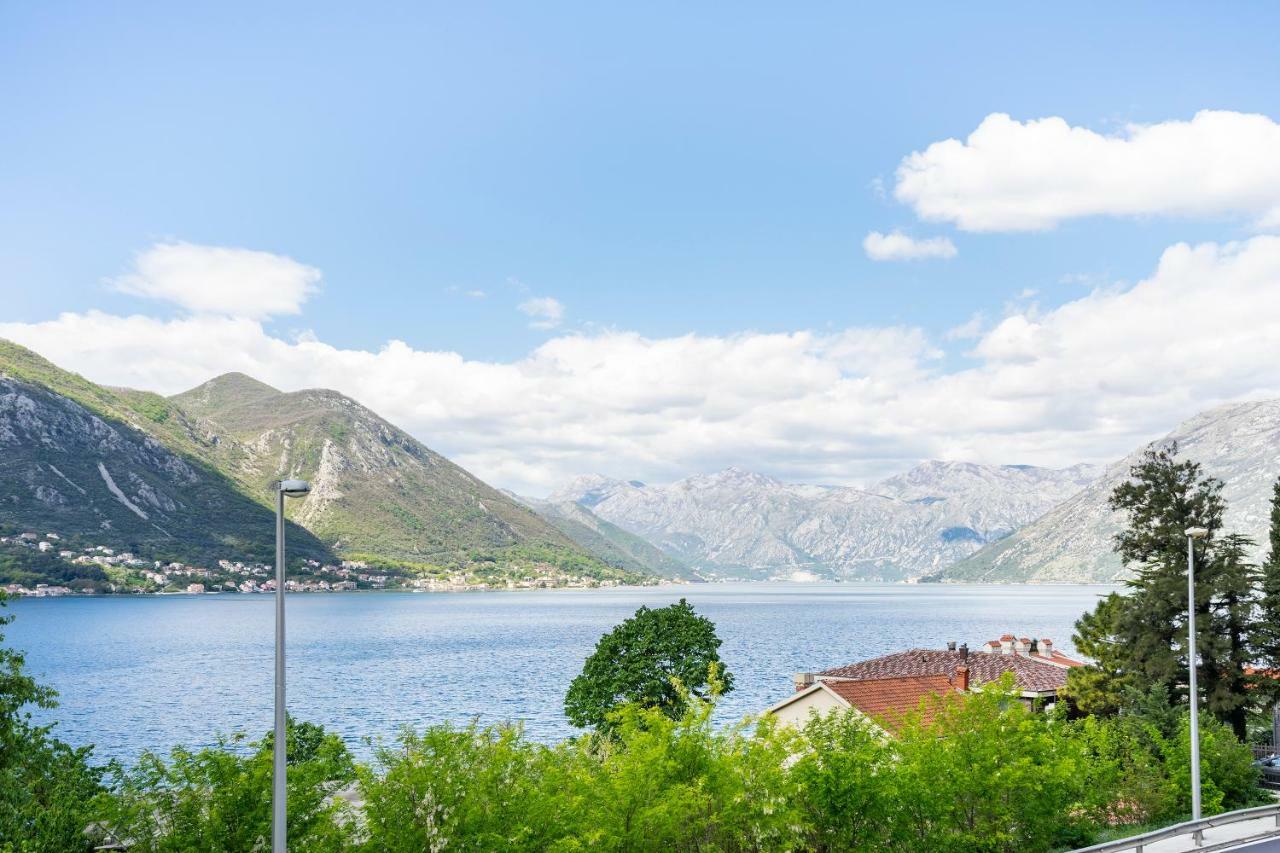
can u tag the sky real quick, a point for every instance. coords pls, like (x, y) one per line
(555, 239)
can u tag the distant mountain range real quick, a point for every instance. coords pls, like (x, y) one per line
(1238, 443)
(606, 540)
(189, 477)
(736, 523)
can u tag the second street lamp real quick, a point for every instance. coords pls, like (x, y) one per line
(1193, 533)
(279, 809)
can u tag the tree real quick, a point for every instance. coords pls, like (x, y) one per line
(1102, 688)
(45, 784)
(219, 798)
(654, 659)
(1228, 649)
(1268, 635)
(1139, 641)
(1164, 498)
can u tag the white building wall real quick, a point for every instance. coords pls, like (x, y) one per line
(797, 713)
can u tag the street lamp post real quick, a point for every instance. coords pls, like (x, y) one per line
(1193, 533)
(279, 810)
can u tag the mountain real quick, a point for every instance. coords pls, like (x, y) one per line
(1237, 443)
(374, 488)
(607, 541)
(119, 468)
(189, 478)
(740, 523)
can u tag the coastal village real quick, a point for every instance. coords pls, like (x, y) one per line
(127, 573)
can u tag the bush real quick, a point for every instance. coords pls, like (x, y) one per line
(219, 798)
(45, 785)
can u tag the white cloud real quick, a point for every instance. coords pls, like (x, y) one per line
(219, 280)
(544, 311)
(897, 246)
(1087, 381)
(1029, 176)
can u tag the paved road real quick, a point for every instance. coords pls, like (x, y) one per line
(1268, 845)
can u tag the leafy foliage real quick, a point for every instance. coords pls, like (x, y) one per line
(655, 659)
(219, 799)
(45, 785)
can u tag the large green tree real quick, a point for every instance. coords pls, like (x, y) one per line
(655, 659)
(1139, 640)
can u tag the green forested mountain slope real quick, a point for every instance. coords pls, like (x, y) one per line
(189, 478)
(375, 489)
(119, 468)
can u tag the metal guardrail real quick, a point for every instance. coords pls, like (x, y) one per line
(1191, 827)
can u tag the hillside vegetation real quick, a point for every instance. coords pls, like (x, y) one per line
(189, 477)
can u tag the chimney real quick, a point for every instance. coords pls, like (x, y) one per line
(951, 646)
(964, 656)
(803, 680)
(962, 678)
(1046, 648)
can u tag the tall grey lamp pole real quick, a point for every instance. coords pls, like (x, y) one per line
(1193, 533)
(279, 808)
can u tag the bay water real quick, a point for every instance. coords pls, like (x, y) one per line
(149, 672)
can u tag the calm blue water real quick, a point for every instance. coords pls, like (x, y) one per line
(151, 672)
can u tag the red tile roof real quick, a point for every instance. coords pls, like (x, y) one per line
(888, 701)
(984, 667)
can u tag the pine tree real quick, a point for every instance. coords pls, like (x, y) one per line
(1164, 498)
(1228, 643)
(1138, 641)
(1268, 633)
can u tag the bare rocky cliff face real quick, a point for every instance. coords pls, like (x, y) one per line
(1238, 443)
(737, 523)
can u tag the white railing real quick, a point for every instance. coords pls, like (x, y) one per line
(1191, 827)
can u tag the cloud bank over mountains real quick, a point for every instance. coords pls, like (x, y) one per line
(1082, 382)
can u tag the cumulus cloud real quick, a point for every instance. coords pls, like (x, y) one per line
(1029, 176)
(544, 312)
(220, 280)
(1087, 381)
(897, 246)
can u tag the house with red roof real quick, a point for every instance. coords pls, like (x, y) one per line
(888, 688)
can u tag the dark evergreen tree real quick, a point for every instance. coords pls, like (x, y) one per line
(1164, 498)
(1268, 633)
(1139, 641)
(1228, 645)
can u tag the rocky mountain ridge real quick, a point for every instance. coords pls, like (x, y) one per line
(740, 523)
(1238, 443)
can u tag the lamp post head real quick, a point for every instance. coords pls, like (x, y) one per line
(1197, 532)
(293, 488)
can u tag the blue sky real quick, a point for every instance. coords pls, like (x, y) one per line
(662, 171)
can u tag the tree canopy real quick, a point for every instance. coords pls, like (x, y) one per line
(655, 659)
